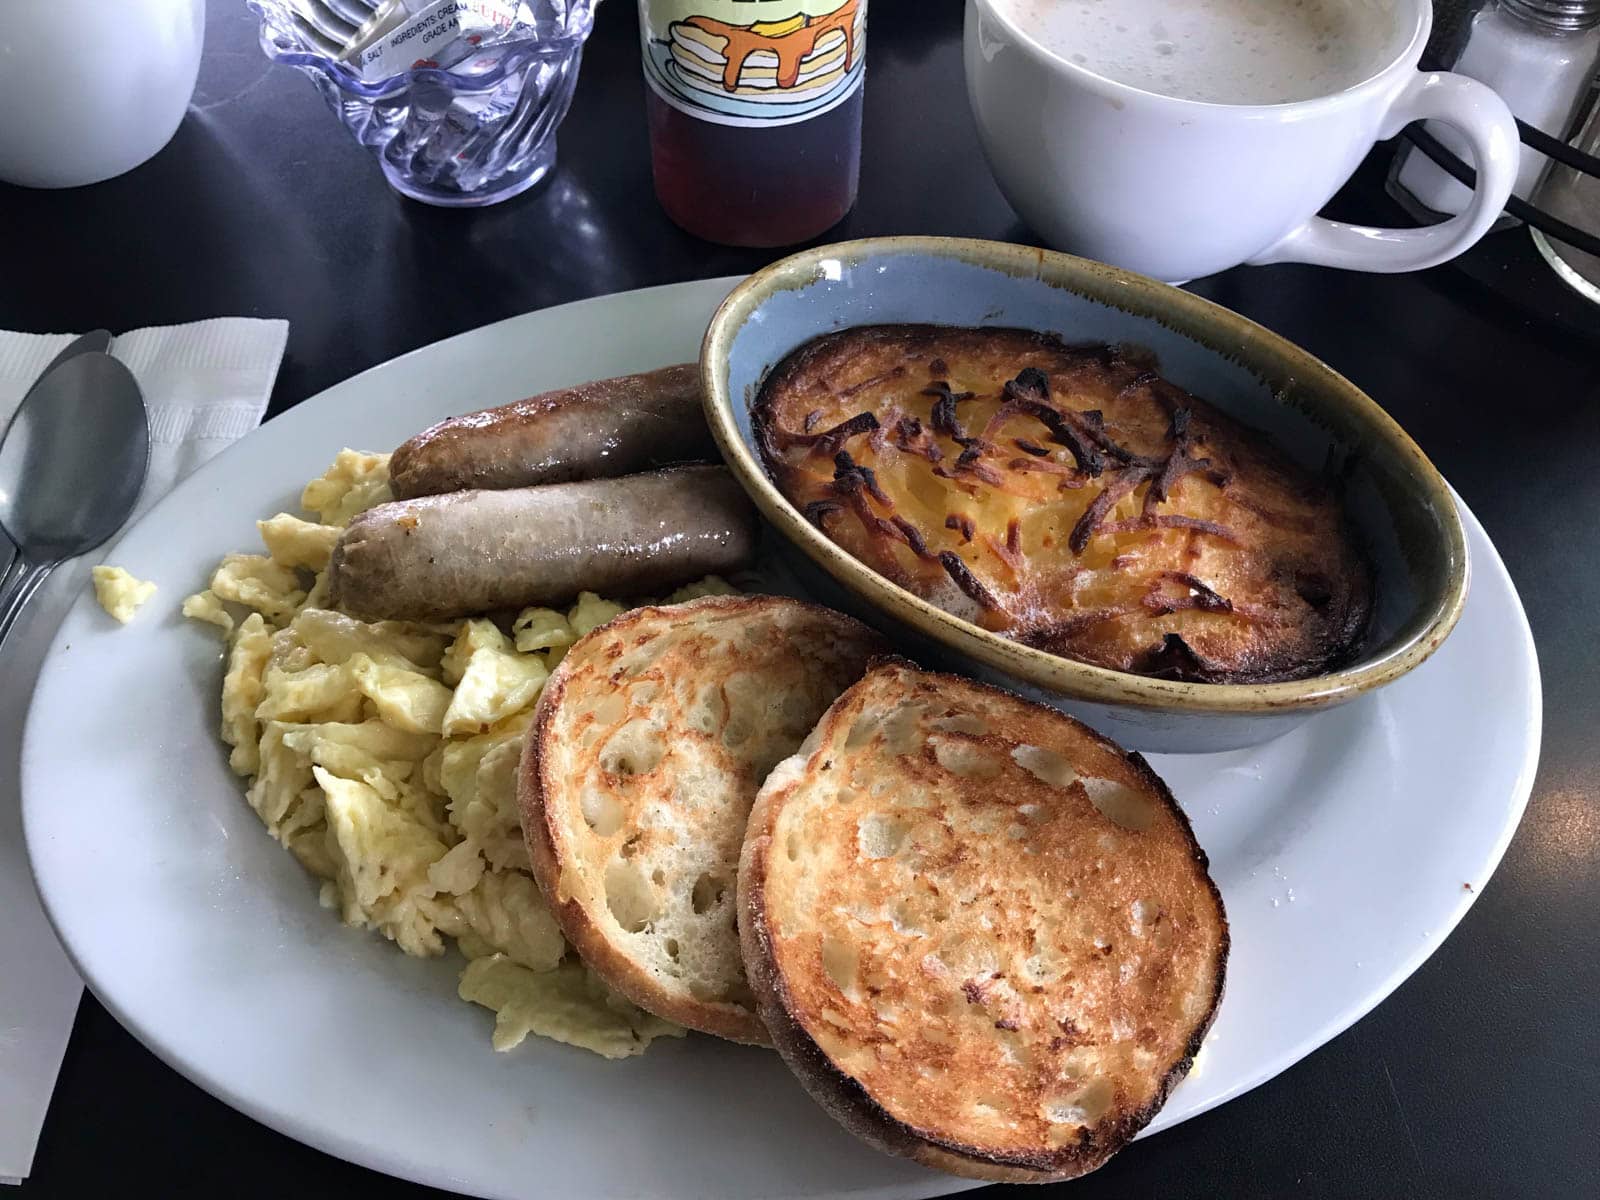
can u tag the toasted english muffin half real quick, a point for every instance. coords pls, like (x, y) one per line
(982, 935)
(649, 744)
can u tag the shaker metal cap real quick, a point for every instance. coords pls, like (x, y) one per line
(1557, 14)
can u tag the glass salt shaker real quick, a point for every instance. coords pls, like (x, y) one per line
(1540, 55)
(1574, 197)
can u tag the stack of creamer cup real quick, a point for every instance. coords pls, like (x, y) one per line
(458, 99)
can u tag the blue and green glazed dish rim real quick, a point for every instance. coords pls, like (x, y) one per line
(1402, 507)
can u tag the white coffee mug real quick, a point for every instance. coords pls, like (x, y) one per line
(90, 89)
(1179, 188)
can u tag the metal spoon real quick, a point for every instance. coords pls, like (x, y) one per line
(72, 462)
(97, 339)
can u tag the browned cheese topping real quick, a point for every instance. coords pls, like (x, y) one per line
(1069, 498)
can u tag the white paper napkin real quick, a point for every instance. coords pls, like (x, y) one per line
(206, 385)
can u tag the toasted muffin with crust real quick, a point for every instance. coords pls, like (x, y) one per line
(980, 934)
(648, 745)
(1067, 497)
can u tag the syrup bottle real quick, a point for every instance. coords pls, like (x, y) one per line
(755, 114)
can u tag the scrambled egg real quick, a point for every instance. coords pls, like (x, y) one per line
(383, 755)
(119, 593)
(205, 606)
(568, 1004)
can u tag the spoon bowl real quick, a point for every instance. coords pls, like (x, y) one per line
(72, 463)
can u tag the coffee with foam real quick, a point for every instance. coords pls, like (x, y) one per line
(1219, 51)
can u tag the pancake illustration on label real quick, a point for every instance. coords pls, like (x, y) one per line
(754, 62)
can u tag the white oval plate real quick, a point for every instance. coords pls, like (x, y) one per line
(1345, 851)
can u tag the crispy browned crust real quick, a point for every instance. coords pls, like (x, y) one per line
(550, 846)
(844, 1096)
(1069, 498)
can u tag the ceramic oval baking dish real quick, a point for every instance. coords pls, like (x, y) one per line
(1402, 509)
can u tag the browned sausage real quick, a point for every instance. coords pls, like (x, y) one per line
(593, 431)
(440, 557)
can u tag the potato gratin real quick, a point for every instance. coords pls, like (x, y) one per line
(383, 756)
(1067, 497)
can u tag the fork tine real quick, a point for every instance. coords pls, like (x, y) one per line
(320, 17)
(388, 16)
(315, 38)
(354, 11)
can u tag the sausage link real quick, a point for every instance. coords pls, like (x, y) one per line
(596, 430)
(441, 557)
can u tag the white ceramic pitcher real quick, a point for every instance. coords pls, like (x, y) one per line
(92, 88)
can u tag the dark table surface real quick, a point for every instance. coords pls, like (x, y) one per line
(1479, 1077)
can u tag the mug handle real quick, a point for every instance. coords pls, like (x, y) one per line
(1491, 132)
